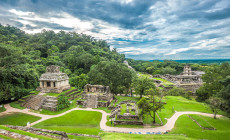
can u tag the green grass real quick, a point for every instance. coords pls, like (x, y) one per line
(181, 104)
(184, 125)
(5, 138)
(124, 107)
(16, 105)
(81, 137)
(124, 136)
(2, 109)
(58, 94)
(17, 119)
(125, 98)
(34, 92)
(104, 108)
(25, 133)
(165, 82)
(201, 120)
(83, 122)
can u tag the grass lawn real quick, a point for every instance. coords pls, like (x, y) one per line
(184, 125)
(16, 105)
(104, 108)
(78, 121)
(25, 133)
(5, 138)
(81, 137)
(124, 136)
(58, 94)
(125, 98)
(181, 104)
(2, 109)
(124, 107)
(165, 82)
(201, 120)
(17, 119)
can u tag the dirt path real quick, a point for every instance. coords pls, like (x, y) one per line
(168, 126)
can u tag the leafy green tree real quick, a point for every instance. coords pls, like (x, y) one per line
(143, 84)
(215, 104)
(111, 73)
(79, 81)
(225, 94)
(153, 105)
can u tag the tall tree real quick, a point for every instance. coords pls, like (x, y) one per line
(110, 73)
(143, 84)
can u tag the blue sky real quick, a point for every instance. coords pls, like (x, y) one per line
(141, 29)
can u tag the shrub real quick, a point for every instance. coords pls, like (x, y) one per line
(63, 102)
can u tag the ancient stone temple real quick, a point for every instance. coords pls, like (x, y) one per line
(53, 80)
(95, 96)
(187, 70)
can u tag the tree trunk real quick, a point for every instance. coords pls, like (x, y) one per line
(214, 115)
(131, 92)
(154, 117)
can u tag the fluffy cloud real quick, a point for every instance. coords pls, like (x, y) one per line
(164, 29)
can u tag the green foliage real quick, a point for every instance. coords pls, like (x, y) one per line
(175, 91)
(20, 119)
(153, 105)
(24, 57)
(63, 102)
(142, 84)
(157, 67)
(225, 94)
(215, 104)
(212, 78)
(2, 109)
(112, 74)
(79, 81)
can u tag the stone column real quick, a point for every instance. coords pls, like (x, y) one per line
(45, 84)
(57, 84)
(51, 84)
(41, 84)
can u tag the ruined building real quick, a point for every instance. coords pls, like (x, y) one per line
(188, 79)
(53, 80)
(95, 96)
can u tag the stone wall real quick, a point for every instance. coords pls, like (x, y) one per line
(102, 104)
(128, 117)
(128, 122)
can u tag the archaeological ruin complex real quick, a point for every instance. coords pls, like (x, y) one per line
(53, 80)
(188, 79)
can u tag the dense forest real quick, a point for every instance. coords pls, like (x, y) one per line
(24, 57)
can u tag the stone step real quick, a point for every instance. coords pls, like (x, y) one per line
(50, 104)
(49, 100)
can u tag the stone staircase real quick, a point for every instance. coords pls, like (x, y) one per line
(50, 103)
(35, 102)
(91, 101)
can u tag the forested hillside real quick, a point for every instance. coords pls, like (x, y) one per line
(24, 57)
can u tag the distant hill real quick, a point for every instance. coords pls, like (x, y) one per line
(200, 61)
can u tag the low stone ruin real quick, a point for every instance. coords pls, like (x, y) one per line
(95, 96)
(126, 118)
